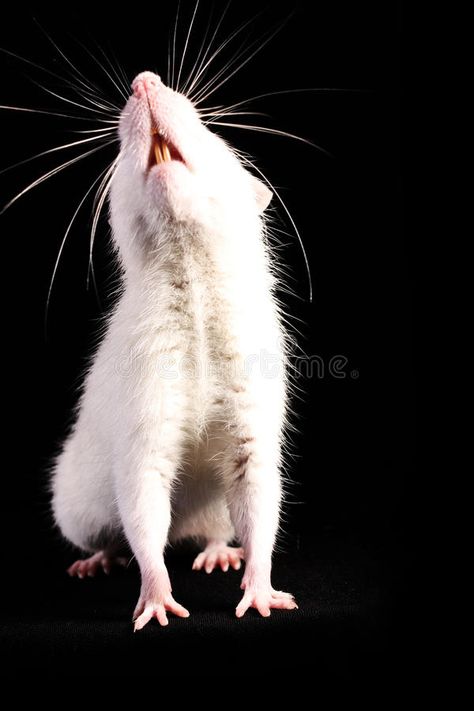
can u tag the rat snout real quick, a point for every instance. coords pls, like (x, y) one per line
(145, 83)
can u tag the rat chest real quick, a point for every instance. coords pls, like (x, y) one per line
(207, 307)
(202, 308)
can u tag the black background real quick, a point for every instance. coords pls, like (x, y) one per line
(352, 471)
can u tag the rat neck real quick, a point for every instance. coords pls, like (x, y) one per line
(226, 253)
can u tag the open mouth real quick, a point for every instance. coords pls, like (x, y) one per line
(161, 151)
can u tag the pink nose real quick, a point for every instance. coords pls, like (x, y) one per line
(145, 83)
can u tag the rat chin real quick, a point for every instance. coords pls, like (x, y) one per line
(175, 194)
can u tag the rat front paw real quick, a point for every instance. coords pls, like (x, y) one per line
(265, 600)
(147, 609)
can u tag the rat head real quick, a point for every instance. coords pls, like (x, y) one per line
(172, 168)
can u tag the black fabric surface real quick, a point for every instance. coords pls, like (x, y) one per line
(56, 628)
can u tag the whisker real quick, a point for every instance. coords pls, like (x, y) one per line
(70, 101)
(103, 190)
(34, 64)
(215, 54)
(92, 102)
(125, 76)
(288, 91)
(275, 132)
(53, 172)
(79, 76)
(94, 130)
(104, 69)
(54, 150)
(196, 5)
(124, 88)
(201, 49)
(105, 104)
(63, 242)
(293, 224)
(168, 66)
(216, 115)
(206, 53)
(85, 84)
(125, 79)
(260, 45)
(55, 113)
(119, 72)
(174, 44)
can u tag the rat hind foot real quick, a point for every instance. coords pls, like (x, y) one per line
(89, 567)
(217, 553)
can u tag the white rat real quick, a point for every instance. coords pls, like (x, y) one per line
(180, 424)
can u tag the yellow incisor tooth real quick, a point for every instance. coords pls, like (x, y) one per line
(165, 151)
(157, 150)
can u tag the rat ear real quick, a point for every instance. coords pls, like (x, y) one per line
(263, 195)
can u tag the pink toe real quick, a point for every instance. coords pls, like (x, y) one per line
(283, 605)
(160, 615)
(198, 562)
(210, 564)
(243, 606)
(263, 609)
(142, 621)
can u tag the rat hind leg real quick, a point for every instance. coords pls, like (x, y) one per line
(84, 507)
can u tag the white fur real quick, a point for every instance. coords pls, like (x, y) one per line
(180, 422)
